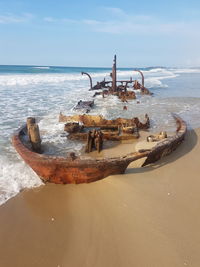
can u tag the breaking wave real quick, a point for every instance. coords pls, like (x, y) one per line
(42, 68)
(179, 71)
(56, 78)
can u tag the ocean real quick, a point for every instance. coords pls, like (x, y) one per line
(44, 91)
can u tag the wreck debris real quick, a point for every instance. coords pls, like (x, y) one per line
(72, 155)
(115, 130)
(89, 144)
(108, 84)
(99, 85)
(136, 85)
(141, 87)
(29, 122)
(158, 137)
(145, 91)
(111, 133)
(100, 121)
(74, 169)
(84, 105)
(141, 125)
(126, 95)
(72, 127)
(99, 141)
(98, 93)
(142, 77)
(94, 141)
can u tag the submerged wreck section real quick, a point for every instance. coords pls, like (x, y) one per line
(73, 169)
(118, 87)
(84, 105)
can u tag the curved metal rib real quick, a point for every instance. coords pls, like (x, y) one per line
(142, 76)
(89, 78)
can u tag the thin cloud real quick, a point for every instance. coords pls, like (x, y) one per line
(122, 23)
(115, 11)
(120, 14)
(91, 22)
(132, 27)
(69, 20)
(59, 20)
(49, 19)
(11, 18)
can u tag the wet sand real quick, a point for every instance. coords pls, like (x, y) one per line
(146, 218)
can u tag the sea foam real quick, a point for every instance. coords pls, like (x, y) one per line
(14, 177)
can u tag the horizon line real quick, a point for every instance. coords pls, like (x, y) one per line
(64, 66)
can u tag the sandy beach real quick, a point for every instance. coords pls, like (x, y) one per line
(146, 218)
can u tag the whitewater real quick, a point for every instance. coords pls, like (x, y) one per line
(45, 91)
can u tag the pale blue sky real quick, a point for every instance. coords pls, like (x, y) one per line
(88, 33)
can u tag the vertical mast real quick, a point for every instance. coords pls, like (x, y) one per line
(114, 74)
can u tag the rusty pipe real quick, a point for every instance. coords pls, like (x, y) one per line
(89, 78)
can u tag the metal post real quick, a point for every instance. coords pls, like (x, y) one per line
(114, 74)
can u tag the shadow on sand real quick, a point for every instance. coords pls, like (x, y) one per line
(188, 144)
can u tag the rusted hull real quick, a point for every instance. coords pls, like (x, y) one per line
(62, 170)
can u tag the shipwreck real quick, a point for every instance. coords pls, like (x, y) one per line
(94, 131)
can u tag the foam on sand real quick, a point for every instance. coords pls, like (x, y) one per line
(14, 177)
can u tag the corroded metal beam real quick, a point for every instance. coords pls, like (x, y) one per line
(120, 81)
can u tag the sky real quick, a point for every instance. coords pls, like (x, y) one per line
(88, 33)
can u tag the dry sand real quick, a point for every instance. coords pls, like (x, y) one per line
(146, 218)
